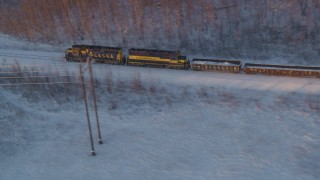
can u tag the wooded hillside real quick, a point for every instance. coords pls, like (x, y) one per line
(232, 28)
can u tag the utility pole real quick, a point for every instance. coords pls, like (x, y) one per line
(95, 102)
(87, 111)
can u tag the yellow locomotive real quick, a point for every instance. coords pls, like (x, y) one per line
(157, 58)
(77, 53)
(95, 54)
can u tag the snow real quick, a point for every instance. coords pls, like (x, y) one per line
(177, 125)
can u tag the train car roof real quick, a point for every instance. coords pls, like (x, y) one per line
(96, 47)
(282, 66)
(236, 62)
(153, 50)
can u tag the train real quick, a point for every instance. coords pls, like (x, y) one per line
(174, 60)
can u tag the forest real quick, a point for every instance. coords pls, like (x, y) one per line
(227, 28)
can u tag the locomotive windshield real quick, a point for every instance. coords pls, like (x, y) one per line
(182, 57)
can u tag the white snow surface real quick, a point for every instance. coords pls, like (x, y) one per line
(177, 125)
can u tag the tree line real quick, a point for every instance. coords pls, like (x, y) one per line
(216, 25)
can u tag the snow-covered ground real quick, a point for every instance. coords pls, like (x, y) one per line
(160, 124)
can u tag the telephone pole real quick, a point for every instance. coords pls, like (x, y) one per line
(87, 111)
(95, 102)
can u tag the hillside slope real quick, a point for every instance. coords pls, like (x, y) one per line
(197, 125)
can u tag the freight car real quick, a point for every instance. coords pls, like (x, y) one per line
(282, 70)
(157, 58)
(96, 54)
(232, 66)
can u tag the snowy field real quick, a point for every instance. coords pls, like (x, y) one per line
(159, 124)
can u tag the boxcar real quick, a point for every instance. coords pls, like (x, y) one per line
(157, 58)
(282, 70)
(233, 66)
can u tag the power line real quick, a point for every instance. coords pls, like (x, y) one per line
(51, 71)
(28, 50)
(48, 83)
(87, 85)
(28, 55)
(24, 77)
(15, 53)
(31, 65)
(33, 58)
